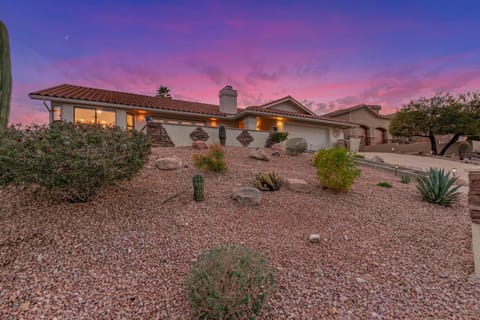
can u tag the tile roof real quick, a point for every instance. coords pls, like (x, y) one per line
(372, 107)
(68, 91)
(261, 109)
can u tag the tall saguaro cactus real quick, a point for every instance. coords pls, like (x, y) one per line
(5, 76)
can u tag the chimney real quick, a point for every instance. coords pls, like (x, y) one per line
(228, 100)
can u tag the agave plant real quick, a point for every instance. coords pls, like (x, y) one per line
(438, 187)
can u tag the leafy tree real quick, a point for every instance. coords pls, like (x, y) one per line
(440, 114)
(163, 92)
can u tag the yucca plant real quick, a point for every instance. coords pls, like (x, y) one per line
(405, 178)
(437, 186)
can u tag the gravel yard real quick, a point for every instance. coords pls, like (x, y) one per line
(384, 253)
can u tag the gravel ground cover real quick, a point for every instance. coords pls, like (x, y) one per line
(384, 254)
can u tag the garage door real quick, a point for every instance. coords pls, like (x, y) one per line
(317, 138)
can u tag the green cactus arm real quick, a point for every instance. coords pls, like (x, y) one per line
(5, 76)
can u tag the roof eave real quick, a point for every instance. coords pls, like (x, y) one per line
(124, 106)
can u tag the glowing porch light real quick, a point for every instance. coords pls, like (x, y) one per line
(279, 124)
(213, 122)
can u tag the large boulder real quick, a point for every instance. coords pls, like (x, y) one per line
(294, 146)
(278, 147)
(298, 185)
(169, 163)
(199, 145)
(247, 196)
(258, 154)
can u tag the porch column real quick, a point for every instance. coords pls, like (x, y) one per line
(250, 123)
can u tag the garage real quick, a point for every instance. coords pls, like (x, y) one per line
(317, 137)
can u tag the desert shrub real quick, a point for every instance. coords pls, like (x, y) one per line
(229, 282)
(438, 187)
(268, 181)
(384, 184)
(358, 156)
(214, 160)
(336, 169)
(405, 178)
(75, 161)
(295, 146)
(279, 136)
(464, 150)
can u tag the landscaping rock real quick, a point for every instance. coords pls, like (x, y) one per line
(295, 146)
(378, 159)
(199, 145)
(314, 238)
(466, 160)
(170, 163)
(276, 154)
(258, 154)
(298, 185)
(247, 196)
(278, 147)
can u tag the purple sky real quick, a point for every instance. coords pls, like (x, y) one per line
(325, 55)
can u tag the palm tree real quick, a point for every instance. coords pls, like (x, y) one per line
(163, 92)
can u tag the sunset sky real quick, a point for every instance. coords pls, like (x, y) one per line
(326, 54)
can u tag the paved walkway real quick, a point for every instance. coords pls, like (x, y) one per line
(424, 163)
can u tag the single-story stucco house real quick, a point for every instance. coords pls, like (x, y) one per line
(372, 126)
(173, 122)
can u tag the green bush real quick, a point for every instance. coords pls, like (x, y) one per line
(384, 185)
(214, 160)
(279, 136)
(438, 187)
(336, 169)
(358, 156)
(405, 178)
(229, 282)
(75, 161)
(465, 150)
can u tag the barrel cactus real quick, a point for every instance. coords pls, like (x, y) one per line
(198, 187)
(222, 135)
(268, 181)
(5, 76)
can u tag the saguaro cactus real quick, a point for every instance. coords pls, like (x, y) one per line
(198, 187)
(222, 135)
(5, 76)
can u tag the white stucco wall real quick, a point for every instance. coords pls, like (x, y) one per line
(250, 122)
(180, 135)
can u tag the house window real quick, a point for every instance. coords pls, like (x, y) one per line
(95, 116)
(130, 121)
(57, 113)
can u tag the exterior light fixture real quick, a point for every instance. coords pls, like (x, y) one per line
(396, 169)
(454, 172)
(148, 119)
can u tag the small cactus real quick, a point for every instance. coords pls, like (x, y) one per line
(222, 135)
(198, 187)
(268, 181)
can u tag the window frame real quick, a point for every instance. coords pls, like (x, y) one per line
(96, 113)
(132, 127)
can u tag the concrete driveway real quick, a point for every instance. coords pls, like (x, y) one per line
(424, 163)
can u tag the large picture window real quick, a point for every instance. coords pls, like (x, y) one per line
(130, 121)
(95, 116)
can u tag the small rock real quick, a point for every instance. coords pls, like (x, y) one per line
(247, 196)
(361, 280)
(378, 159)
(199, 145)
(169, 163)
(24, 306)
(444, 276)
(276, 154)
(258, 154)
(314, 238)
(466, 160)
(298, 185)
(418, 290)
(278, 147)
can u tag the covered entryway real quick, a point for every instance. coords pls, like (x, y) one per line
(317, 137)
